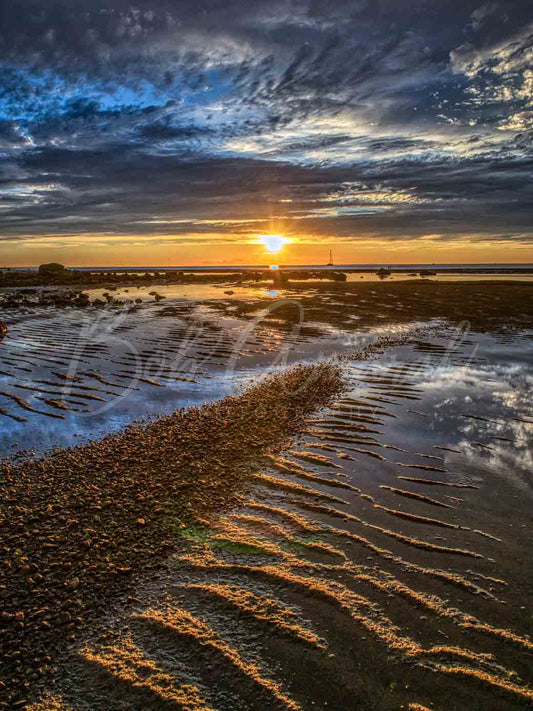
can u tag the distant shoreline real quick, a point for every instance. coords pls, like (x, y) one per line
(481, 268)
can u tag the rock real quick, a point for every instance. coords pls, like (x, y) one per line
(169, 311)
(81, 300)
(73, 584)
(51, 269)
(3, 329)
(229, 292)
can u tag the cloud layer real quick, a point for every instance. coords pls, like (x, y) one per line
(397, 119)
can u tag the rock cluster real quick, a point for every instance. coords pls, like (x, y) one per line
(26, 298)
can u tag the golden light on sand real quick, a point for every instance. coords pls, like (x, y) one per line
(273, 243)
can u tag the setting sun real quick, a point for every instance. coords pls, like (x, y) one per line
(273, 243)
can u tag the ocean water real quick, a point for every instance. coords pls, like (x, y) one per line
(508, 267)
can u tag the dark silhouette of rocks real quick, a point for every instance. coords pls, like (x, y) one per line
(51, 269)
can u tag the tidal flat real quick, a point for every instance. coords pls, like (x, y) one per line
(225, 496)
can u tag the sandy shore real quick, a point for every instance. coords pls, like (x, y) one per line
(344, 535)
(79, 523)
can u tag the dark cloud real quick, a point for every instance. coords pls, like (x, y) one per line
(10, 135)
(399, 117)
(168, 132)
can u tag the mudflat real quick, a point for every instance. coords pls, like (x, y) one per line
(347, 528)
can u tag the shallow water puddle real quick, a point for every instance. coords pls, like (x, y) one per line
(72, 374)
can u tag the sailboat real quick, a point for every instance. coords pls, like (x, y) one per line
(330, 263)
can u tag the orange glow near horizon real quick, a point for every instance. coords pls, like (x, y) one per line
(219, 249)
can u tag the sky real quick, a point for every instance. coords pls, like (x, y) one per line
(176, 132)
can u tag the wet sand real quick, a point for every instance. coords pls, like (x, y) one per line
(364, 551)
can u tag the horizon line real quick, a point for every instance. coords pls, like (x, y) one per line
(325, 267)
